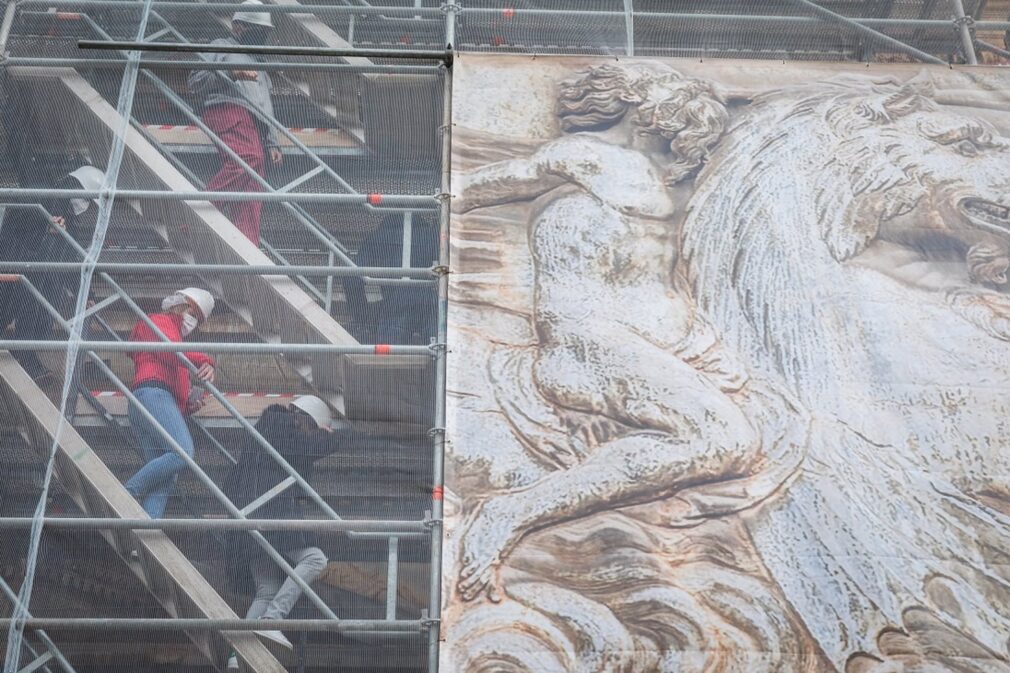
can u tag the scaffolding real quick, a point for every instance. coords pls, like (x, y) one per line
(360, 154)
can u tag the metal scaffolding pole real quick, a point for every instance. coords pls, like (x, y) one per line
(964, 25)
(629, 27)
(325, 52)
(876, 36)
(181, 624)
(316, 525)
(268, 66)
(437, 432)
(386, 272)
(229, 8)
(42, 635)
(213, 347)
(30, 196)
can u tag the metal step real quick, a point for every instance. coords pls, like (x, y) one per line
(169, 576)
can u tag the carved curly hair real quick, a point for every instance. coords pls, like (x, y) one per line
(692, 115)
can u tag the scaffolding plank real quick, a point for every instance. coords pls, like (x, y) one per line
(171, 577)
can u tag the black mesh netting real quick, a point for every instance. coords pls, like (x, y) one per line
(91, 141)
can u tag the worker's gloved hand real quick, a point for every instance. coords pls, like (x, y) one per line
(206, 373)
(197, 400)
(249, 75)
(276, 158)
(195, 405)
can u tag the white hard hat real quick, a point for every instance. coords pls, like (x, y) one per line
(203, 299)
(315, 408)
(255, 18)
(89, 178)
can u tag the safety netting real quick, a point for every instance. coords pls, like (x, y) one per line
(128, 176)
(188, 177)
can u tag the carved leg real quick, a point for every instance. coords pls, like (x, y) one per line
(638, 468)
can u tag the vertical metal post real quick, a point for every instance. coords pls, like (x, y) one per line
(303, 641)
(440, 350)
(450, 8)
(329, 285)
(408, 238)
(963, 23)
(5, 27)
(629, 26)
(392, 576)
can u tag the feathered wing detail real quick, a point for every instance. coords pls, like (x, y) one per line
(869, 530)
(875, 546)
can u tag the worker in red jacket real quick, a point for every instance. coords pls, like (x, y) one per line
(161, 384)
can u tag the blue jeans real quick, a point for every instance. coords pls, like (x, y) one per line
(156, 479)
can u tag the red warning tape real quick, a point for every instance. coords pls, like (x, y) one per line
(383, 349)
(375, 199)
(508, 12)
(438, 493)
(193, 128)
(9, 277)
(116, 393)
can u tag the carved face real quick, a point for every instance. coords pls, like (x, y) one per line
(929, 178)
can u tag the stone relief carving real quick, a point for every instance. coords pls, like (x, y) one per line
(730, 388)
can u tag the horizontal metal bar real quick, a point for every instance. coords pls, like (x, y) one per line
(212, 347)
(406, 54)
(518, 13)
(268, 66)
(179, 624)
(510, 12)
(221, 269)
(318, 525)
(31, 195)
(701, 17)
(230, 7)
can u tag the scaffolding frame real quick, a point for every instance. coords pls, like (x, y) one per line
(390, 531)
(962, 25)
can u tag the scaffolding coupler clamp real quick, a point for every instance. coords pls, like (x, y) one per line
(437, 349)
(440, 270)
(430, 623)
(431, 523)
(450, 6)
(966, 20)
(433, 432)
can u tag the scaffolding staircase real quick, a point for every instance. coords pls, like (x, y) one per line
(177, 585)
(278, 309)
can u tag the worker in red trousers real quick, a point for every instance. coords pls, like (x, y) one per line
(230, 97)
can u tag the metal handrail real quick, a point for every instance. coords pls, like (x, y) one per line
(167, 346)
(202, 476)
(287, 200)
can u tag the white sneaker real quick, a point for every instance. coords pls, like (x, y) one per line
(275, 637)
(232, 663)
